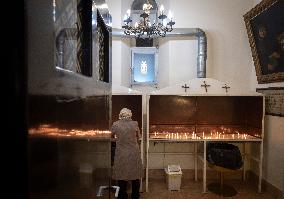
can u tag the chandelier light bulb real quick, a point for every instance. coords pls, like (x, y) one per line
(136, 25)
(162, 9)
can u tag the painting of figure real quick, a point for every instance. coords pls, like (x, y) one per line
(265, 27)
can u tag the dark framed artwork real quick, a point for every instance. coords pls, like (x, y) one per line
(265, 29)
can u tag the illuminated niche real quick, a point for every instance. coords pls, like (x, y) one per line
(144, 66)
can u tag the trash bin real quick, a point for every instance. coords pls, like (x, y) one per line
(86, 175)
(173, 177)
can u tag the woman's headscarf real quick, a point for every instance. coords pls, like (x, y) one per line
(125, 113)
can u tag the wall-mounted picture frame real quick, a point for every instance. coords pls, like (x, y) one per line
(265, 29)
(144, 66)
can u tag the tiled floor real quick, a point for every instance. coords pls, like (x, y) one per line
(158, 190)
(193, 190)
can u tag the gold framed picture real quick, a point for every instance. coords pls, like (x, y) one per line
(265, 29)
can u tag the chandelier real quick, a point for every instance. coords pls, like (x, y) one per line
(144, 27)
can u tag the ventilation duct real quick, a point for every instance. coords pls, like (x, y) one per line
(198, 33)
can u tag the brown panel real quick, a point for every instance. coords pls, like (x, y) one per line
(132, 102)
(41, 109)
(95, 112)
(220, 110)
(89, 113)
(254, 111)
(43, 162)
(170, 109)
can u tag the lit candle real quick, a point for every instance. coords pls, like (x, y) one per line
(136, 25)
(125, 17)
(128, 13)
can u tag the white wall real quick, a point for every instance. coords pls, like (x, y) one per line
(164, 63)
(222, 20)
(182, 59)
(228, 48)
(273, 167)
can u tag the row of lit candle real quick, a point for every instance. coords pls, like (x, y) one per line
(176, 135)
(193, 135)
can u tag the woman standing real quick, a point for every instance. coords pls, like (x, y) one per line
(127, 161)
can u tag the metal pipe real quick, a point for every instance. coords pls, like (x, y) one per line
(182, 32)
(202, 54)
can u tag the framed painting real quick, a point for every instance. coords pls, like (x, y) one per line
(265, 29)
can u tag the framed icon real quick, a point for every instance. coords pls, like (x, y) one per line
(144, 66)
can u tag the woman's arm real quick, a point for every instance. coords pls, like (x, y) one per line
(138, 133)
(113, 131)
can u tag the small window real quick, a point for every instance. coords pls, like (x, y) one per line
(144, 62)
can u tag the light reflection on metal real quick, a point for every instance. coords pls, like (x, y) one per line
(70, 35)
(53, 131)
(54, 10)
